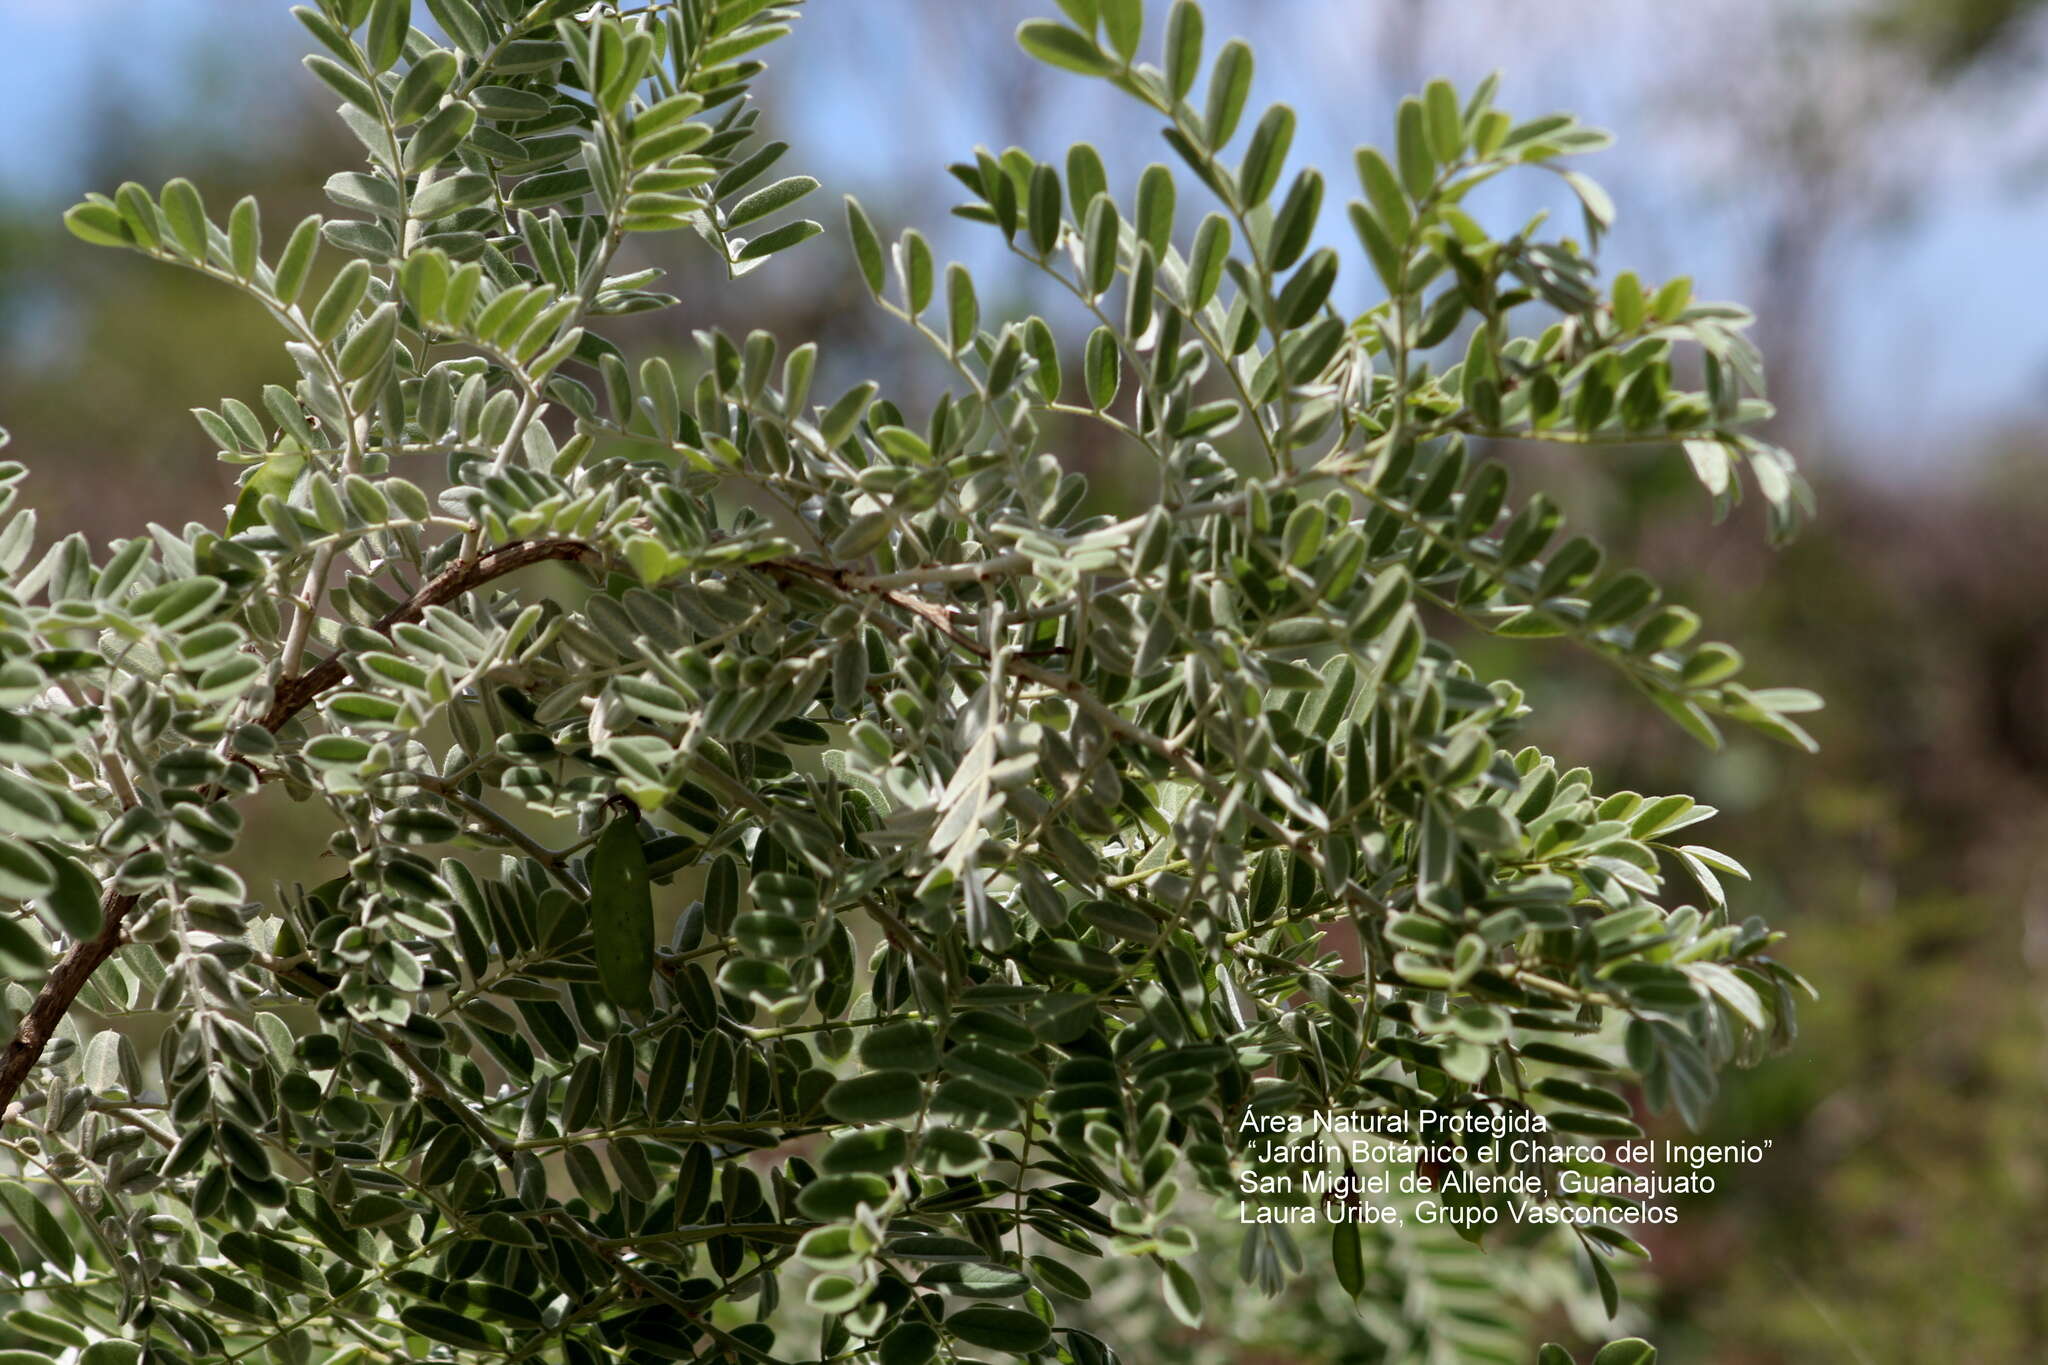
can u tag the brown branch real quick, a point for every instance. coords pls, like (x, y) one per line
(294, 694)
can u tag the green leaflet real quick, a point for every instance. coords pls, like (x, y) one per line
(999, 1329)
(74, 903)
(275, 477)
(22, 956)
(622, 915)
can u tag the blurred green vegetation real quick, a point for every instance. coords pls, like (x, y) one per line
(1903, 1212)
(1951, 35)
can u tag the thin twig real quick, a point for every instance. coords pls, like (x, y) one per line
(294, 694)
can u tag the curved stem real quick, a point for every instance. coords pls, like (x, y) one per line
(294, 694)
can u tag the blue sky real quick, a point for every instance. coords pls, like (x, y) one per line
(1932, 320)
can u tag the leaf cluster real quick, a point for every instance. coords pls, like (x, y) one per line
(868, 901)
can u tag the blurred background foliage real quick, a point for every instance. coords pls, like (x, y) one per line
(1867, 173)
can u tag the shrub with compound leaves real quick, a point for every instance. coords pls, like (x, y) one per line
(859, 932)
